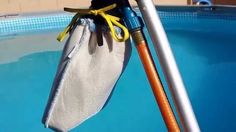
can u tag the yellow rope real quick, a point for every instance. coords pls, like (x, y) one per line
(111, 21)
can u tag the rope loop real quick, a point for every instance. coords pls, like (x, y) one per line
(110, 20)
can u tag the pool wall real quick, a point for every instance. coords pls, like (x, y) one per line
(23, 6)
(169, 14)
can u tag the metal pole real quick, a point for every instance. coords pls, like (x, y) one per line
(169, 66)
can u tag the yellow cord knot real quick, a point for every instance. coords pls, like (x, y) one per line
(111, 21)
(95, 12)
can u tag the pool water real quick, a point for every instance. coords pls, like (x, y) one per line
(205, 55)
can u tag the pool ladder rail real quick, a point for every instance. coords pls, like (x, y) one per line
(204, 3)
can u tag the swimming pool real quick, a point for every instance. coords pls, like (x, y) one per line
(203, 41)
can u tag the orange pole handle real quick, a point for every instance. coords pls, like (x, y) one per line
(156, 84)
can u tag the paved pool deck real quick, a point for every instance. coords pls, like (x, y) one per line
(29, 6)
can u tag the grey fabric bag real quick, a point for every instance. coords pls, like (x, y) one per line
(85, 77)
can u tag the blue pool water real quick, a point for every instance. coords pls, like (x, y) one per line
(204, 48)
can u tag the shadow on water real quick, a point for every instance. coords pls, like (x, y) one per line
(207, 61)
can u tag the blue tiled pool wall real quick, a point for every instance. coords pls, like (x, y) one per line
(31, 23)
(170, 17)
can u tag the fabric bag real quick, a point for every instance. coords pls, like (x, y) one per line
(91, 63)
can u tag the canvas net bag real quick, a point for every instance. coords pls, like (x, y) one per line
(91, 63)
